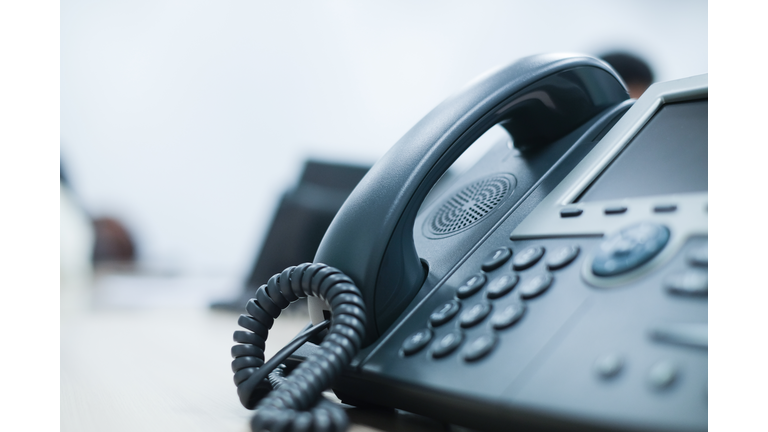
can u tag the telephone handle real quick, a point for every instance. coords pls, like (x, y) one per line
(537, 99)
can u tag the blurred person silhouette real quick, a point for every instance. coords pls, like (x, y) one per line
(635, 71)
(105, 239)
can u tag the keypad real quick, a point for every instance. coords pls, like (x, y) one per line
(499, 309)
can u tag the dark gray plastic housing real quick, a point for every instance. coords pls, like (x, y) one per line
(537, 99)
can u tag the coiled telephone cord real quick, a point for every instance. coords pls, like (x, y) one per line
(296, 404)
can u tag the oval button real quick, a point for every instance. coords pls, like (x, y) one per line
(629, 248)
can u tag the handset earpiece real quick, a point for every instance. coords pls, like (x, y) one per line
(538, 99)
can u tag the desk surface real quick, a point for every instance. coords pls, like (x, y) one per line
(128, 365)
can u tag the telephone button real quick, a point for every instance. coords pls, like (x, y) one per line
(480, 347)
(508, 316)
(447, 344)
(444, 313)
(665, 208)
(534, 287)
(527, 257)
(612, 210)
(471, 286)
(415, 342)
(630, 248)
(475, 315)
(687, 334)
(609, 365)
(500, 286)
(662, 374)
(698, 257)
(689, 282)
(571, 212)
(561, 257)
(497, 258)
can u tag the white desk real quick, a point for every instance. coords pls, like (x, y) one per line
(153, 366)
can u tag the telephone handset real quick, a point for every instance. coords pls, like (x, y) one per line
(564, 252)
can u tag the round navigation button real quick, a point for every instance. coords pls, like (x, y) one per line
(629, 248)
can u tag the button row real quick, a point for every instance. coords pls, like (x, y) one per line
(528, 257)
(505, 317)
(504, 284)
(569, 212)
(661, 375)
(448, 343)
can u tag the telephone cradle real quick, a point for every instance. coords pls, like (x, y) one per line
(560, 283)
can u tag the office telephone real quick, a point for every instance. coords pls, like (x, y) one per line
(560, 283)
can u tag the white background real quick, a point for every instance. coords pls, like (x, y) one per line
(188, 119)
(30, 129)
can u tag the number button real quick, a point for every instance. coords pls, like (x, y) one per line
(447, 344)
(415, 342)
(689, 282)
(527, 257)
(471, 286)
(480, 347)
(497, 258)
(561, 257)
(536, 286)
(444, 313)
(475, 315)
(508, 316)
(499, 287)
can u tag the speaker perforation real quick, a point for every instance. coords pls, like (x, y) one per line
(468, 206)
